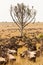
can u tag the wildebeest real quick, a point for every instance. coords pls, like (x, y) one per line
(2, 61)
(10, 57)
(32, 55)
(11, 51)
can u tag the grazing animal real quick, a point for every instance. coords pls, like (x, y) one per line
(10, 51)
(11, 57)
(32, 55)
(2, 61)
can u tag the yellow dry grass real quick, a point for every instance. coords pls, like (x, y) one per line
(26, 61)
(7, 31)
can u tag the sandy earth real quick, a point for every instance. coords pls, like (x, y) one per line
(26, 61)
(8, 30)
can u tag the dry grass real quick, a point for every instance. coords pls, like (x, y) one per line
(7, 31)
(25, 61)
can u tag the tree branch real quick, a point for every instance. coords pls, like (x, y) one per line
(26, 20)
(18, 18)
(14, 19)
(29, 21)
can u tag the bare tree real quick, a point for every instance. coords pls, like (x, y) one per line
(22, 15)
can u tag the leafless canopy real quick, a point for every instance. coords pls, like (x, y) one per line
(22, 15)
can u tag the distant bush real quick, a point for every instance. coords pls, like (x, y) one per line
(40, 36)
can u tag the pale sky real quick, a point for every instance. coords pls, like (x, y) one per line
(5, 8)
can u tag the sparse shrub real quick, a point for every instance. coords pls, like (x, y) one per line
(40, 36)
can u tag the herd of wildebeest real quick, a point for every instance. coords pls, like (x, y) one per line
(9, 49)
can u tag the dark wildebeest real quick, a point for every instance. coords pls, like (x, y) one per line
(2, 61)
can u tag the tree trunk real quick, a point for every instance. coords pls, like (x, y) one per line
(22, 32)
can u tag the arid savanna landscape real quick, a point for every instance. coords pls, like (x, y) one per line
(21, 32)
(9, 30)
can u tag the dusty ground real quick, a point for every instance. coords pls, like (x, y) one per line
(25, 61)
(8, 30)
